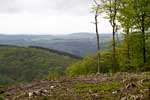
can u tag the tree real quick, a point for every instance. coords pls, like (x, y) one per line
(134, 15)
(125, 18)
(135, 61)
(142, 14)
(84, 67)
(97, 35)
(110, 8)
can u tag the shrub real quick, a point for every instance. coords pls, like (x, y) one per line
(53, 75)
(83, 67)
(89, 65)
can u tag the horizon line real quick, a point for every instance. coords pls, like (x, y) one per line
(50, 34)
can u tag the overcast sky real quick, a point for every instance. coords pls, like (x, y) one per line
(48, 17)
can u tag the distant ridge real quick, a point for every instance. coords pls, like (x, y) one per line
(47, 49)
(9, 45)
(56, 51)
(79, 44)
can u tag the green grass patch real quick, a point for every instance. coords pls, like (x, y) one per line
(83, 87)
(147, 73)
(2, 96)
(146, 84)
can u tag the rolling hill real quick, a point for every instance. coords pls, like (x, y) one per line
(78, 44)
(25, 64)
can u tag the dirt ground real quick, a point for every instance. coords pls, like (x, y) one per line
(120, 86)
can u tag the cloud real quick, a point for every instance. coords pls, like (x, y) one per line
(48, 16)
(53, 24)
(78, 7)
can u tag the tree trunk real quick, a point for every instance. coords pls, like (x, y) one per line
(98, 43)
(114, 34)
(114, 50)
(144, 47)
(128, 47)
(143, 37)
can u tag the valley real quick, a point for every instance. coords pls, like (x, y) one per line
(79, 44)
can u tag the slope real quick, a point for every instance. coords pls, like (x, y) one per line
(25, 64)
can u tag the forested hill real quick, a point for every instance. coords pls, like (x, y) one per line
(24, 64)
(56, 51)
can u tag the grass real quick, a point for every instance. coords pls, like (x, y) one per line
(2, 96)
(83, 87)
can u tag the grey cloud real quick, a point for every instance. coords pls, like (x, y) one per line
(8, 6)
(39, 6)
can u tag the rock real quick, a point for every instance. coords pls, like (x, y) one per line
(30, 94)
(114, 92)
(52, 87)
(45, 91)
(37, 92)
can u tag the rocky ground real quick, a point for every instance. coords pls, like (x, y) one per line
(121, 86)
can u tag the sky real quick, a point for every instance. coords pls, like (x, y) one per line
(48, 17)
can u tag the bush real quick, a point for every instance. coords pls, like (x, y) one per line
(89, 65)
(53, 75)
(83, 67)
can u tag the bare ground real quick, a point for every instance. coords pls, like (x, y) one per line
(121, 86)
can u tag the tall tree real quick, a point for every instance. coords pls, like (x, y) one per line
(142, 12)
(125, 18)
(110, 8)
(96, 10)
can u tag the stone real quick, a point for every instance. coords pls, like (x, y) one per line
(30, 94)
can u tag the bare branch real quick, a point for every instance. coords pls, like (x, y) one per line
(96, 3)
